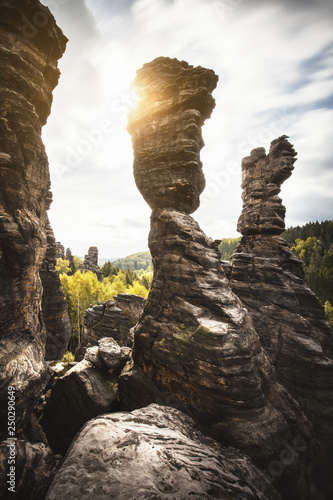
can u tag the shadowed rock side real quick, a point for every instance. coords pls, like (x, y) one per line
(155, 452)
(28, 75)
(35, 467)
(54, 305)
(195, 345)
(287, 315)
(111, 319)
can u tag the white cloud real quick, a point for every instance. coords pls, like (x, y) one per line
(269, 85)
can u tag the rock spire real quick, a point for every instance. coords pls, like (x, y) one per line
(287, 315)
(262, 177)
(195, 346)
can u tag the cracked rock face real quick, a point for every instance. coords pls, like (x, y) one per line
(156, 453)
(195, 345)
(29, 73)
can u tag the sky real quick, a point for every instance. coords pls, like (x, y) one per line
(274, 60)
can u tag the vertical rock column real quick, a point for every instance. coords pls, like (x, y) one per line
(90, 263)
(30, 46)
(54, 305)
(287, 315)
(70, 258)
(195, 346)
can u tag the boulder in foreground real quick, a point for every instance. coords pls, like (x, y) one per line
(154, 453)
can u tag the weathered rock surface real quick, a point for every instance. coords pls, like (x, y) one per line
(35, 467)
(84, 392)
(168, 172)
(111, 319)
(108, 355)
(155, 453)
(90, 263)
(23, 367)
(28, 75)
(288, 317)
(195, 345)
(54, 305)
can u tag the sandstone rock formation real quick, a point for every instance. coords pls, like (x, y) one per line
(288, 317)
(61, 254)
(108, 355)
(90, 263)
(195, 345)
(28, 57)
(54, 305)
(88, 389)
(70, 258)
(262, 177)
(155, 453)
(83, 393)
(60, 250)
(111, 319)
(35, 467)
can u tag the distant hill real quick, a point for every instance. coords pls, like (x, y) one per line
(135, 262)
(103, 260)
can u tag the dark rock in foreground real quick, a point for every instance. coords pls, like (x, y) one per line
(84, 392)
(88, 389)
(35, 467)
(155, 453)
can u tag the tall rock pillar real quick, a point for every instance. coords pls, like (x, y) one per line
(195, 346)
(30, 46)
(287, 315)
